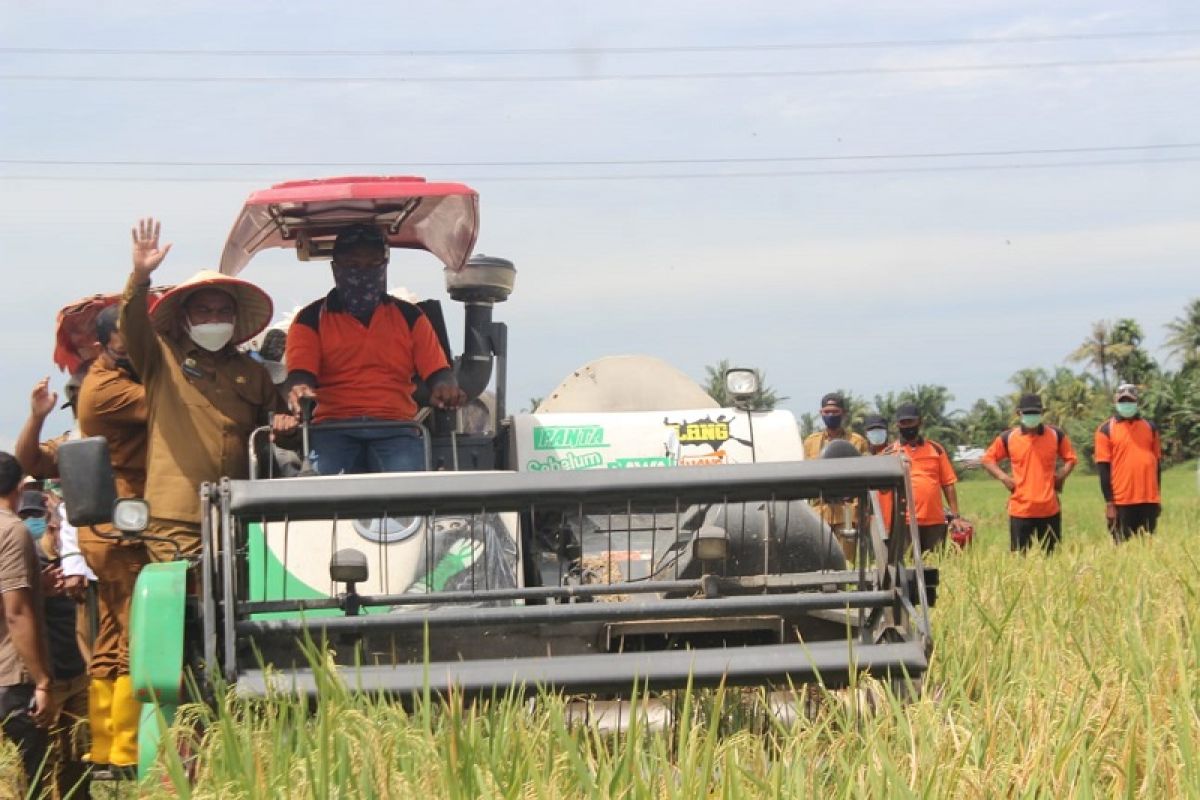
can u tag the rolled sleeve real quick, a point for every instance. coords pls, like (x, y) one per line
(14, 569)
(140, 338)
(73, 562)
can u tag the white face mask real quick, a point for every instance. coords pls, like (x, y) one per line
(877, 436)
(212, 336)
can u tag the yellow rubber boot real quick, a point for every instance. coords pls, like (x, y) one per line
(100, 700)
(125, 714)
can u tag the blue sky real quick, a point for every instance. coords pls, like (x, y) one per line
(869, 281)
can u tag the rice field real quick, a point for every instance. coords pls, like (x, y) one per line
(1075, 675)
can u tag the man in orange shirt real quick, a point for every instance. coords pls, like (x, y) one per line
(1129, 460)
(356, 350)
(932, 477)
(1033, 450)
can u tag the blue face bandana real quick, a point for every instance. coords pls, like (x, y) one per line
(361, 288)
(36, 527)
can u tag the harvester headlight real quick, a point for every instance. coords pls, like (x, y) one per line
(348, 566)
(131, 515)
(741, 383)
(711, 543)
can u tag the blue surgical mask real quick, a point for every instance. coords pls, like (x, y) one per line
(832, 422)
(1127, 410)
(36, 527)
(1031, 420)
(877, 436)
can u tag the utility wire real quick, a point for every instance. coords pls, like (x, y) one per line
(586, 78)
(1028, 166)
(633, 50)
(629, 162)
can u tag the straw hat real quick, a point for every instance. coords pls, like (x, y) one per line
(254, 307)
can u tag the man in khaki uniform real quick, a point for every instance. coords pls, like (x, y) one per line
(203, 396)
(112, 404)
(833, 417)
(26, 700)
(65, 770)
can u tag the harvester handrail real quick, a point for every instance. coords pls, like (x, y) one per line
(710, 586)
(459, 617)
(456, 493)
(263, 435)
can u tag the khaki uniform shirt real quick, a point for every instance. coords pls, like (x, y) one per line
(832, 513)
(19, 569)
(202, 409)
(815, 443)
(113, 405)
(46, 466)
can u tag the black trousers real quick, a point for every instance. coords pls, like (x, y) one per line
(19, 728)
(932, 536)
(1135, 519)
(1022, 531)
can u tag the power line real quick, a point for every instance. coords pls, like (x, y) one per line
(1028, 166)
(633, 50)
(586, 78)
(630, 162)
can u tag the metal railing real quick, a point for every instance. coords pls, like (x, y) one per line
(568, 554)
(261, 441)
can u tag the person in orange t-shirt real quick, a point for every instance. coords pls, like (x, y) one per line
(1033, 450)
(932, 477)
(1129, 460)
(356, 350)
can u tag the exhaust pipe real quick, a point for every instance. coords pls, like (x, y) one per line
(479, 285)
(473, 369)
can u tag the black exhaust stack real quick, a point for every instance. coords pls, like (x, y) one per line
(479, 285)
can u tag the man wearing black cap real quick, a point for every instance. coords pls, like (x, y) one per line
(356, 350)
(833, 418)
(876, 426)
(1034, 451)
(932, 477)
(1129, 460)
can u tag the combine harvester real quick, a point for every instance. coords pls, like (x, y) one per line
(629, 531)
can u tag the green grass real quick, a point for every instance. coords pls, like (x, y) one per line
(1076, 675)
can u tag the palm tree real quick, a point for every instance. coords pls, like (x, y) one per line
(932, 401)
(1184, 338)
(1031, 380)
(1100, 350)
(1137, 366)
(1069, 396)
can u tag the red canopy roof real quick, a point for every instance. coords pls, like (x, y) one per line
(442, 218)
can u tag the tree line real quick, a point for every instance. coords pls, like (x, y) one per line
(1077, 398)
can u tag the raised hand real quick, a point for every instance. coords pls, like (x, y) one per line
(147, 255)
(41, 400)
